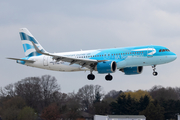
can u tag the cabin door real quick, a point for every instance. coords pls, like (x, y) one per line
(45, 61)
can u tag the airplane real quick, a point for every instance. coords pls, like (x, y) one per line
(129, 60)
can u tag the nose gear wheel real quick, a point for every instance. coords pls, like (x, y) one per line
(154, 70)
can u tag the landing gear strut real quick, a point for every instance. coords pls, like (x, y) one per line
(154, 70)
(108, 77)
(91, 76)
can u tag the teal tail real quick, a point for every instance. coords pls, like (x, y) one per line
(27, 38)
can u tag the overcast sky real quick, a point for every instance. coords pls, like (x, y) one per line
(72, 25)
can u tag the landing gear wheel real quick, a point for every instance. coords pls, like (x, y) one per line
(91, 77)
(108, 77)
(154, 70)
(155, 73)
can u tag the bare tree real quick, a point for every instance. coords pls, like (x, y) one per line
(29, 89)
(7, 91)
(49, 88)
(37, 92)
(87, 95)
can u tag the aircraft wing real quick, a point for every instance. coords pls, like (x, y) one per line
(31, 61)
(89, 63)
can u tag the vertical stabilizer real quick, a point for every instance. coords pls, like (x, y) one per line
(27, 38)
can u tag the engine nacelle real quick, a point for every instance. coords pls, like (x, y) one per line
(106, 67)
(132, 70)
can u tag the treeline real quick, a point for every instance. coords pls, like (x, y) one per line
(35, 98)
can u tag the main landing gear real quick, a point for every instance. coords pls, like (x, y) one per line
(154, 70)
(92, 77)
(108, 77)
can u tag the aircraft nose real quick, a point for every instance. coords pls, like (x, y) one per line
(173, 57)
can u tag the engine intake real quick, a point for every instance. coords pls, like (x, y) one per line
(106, 67)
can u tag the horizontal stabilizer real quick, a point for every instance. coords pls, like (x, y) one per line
(31, 61)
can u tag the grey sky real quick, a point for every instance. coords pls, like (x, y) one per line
(69, 25)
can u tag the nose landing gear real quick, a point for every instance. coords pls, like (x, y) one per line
(154, 70)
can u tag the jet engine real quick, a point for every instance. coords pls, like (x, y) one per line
(106, 67)
(132, 70)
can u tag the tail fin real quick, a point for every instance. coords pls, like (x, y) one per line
(27, 38)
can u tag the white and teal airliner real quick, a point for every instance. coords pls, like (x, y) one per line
(129, 60)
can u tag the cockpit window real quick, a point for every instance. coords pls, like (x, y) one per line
(163, 50)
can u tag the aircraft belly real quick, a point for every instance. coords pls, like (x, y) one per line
(145, 61)
(155, 60)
